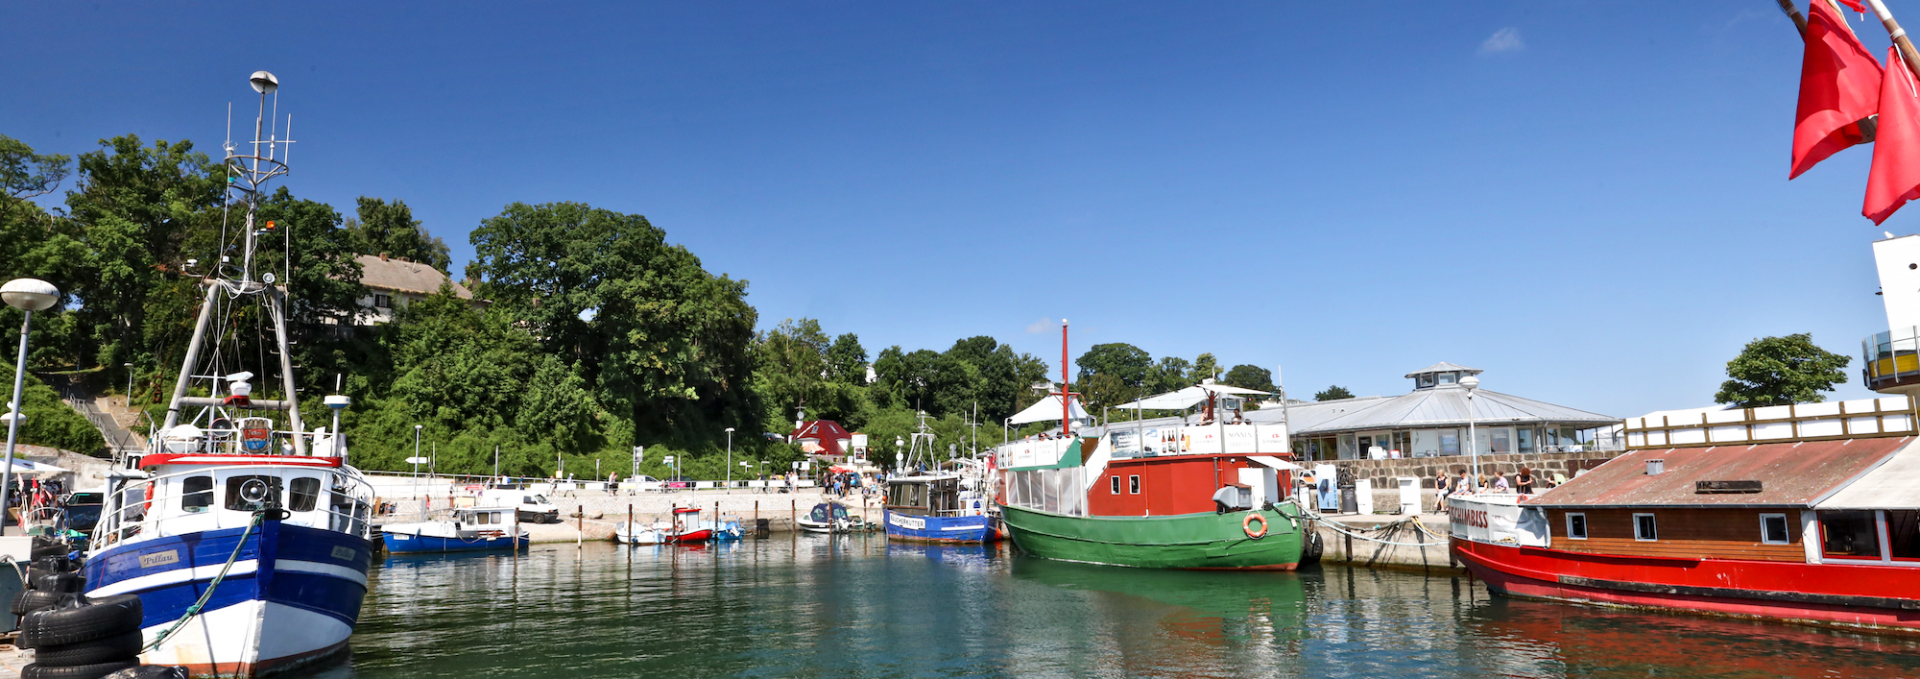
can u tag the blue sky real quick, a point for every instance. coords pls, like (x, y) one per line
(1586, 199)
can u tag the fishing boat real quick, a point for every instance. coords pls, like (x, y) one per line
(1806, 513)
(654, 533)
(467, 530)
(828, 517)
(248, 539)
(687, 526)
(935, 506)
(1203, 494)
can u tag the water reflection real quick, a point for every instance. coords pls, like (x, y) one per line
(830, 606)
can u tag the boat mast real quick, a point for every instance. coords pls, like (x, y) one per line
(248, 175)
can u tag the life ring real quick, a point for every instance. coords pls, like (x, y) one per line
(1246, 525)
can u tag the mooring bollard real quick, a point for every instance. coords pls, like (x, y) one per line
(580, 527)
(629, 522)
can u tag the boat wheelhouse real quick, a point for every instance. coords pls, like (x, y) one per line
(932, 508)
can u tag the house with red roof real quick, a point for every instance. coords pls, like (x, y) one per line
(821, 437)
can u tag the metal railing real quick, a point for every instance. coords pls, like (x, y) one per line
(150, 507)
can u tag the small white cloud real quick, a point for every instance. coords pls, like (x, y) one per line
(1503, 40)
(1041, 326)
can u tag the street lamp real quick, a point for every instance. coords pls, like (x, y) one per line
(129, 367)
(729, 460)
(28, 295)
(416, 453)
(1472, 384)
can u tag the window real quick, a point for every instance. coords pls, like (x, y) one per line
(306, 494)
(1446, 378)
(1903, 534)
(1525, 437)
(1577, 526)
(1643, 528)
(1449, 442)
(1849, 535)
(198, 493)
(240, 488)
(382, 300)
(1133, 484)
(1114, 484)
(1773, 529)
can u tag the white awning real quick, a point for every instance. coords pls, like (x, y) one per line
(1048, 410)
(1275, 463)
(1895, 484)
(1173, 400)
(1229, 389)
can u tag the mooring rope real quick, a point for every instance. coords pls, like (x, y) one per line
(1394, 527)
(195, 609)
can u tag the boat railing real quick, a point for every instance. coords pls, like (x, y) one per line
(342, 504)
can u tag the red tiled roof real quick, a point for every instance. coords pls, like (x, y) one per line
(828, 432)
(1790, 474)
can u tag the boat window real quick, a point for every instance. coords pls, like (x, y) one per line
(820, 513)
(245, 495)
(1644, 529)
(305, 494)
(1576, 526)
(1133, 484)
(1773, 529)
(1849, 534)
(198, 493)
(1903, 533)
(1114, 484)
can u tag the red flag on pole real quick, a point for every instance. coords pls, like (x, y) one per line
(1839, 85)
(1895, 178)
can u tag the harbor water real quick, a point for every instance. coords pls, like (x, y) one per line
(859, 606)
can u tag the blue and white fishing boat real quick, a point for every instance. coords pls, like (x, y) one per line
(941, 506)
(247, 541)
(474, 529)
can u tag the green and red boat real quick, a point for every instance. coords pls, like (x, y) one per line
(1204, 492)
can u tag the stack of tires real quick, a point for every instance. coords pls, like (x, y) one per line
(50, 578)
(73, 637)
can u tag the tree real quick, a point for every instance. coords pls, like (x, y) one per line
(1125, 362)
(1103, 390)
(847, 360)
(1250, 377)
(1206, 366)
(793, 366)
(25, 174)
(390, 228)
(1170, 374)
(1333, 393)
(1781, 371)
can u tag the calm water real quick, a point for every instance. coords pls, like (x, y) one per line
(808, 606)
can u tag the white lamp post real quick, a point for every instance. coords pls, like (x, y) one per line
(28, 295)
(1472, 383)
(129, 367)
(729, 460)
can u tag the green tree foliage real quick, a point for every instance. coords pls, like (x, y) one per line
(660, 341)
(1780, 371)
(1170, 374)
(390, 228)
(1127, 363)
(50, 422)
(25, 174)
(1250, 377)
(977, 371)
(847, 360)
(1205, 366)
(1333, 393)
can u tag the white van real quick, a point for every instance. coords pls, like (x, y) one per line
(528, 506)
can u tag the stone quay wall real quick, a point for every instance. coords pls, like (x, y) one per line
(1383, 472)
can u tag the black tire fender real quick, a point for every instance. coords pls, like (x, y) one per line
(122, 646)
(100, 618)
(36, 671)
(28, 601)
(64, 583)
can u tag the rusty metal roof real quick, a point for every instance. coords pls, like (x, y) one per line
(1790, 474)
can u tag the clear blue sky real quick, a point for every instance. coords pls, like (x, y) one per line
(1586, 199)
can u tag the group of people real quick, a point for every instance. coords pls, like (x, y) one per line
(1524, 482)
(31, 495)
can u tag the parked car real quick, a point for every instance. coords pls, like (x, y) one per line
(528, 506)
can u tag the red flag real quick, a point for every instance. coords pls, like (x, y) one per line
(1839, 85)
(1895, 178)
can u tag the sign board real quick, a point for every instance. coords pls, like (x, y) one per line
(255, 439)
(416, 460)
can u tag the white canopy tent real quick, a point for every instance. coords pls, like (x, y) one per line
(1048, 410)
(1173, 400)
(30, 467)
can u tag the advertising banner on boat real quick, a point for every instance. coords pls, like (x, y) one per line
(1035, 453)
(1496, 519)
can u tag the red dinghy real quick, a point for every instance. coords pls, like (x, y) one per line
(686, 527)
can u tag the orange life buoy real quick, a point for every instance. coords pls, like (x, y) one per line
(1246, 525)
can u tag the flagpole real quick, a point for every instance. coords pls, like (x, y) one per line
(1799, 20)
(1907, 53)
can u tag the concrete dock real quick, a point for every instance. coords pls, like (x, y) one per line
(1387, 541)
(592, 515)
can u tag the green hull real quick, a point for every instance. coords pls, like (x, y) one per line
(1212, 541)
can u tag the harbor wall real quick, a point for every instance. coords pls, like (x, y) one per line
(1426, 554)
(1384, 473)
(603, 510)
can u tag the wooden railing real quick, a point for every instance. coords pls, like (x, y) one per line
(1863, 418)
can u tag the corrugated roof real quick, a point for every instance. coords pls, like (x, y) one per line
(1444, 367)
(1790, 474)
(1435, 407)
(393, 274)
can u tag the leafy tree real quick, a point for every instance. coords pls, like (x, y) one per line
(1250, 377)
(1333, 393)
(847, 360)
(1170, 374)
(1780, 371)
(793, 366)
(1206, 366)
(390, 228)
(1125, 362)
(1103, 390)
(50, 422)
(661, 342)
(25, 174)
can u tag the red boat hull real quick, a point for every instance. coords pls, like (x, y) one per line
(701, 535)
(1844, 595)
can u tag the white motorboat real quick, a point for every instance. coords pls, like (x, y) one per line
(467, 530)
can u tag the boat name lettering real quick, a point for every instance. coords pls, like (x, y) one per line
(343, 553)
(907, 522)
(1469, 517)
(171, 556)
